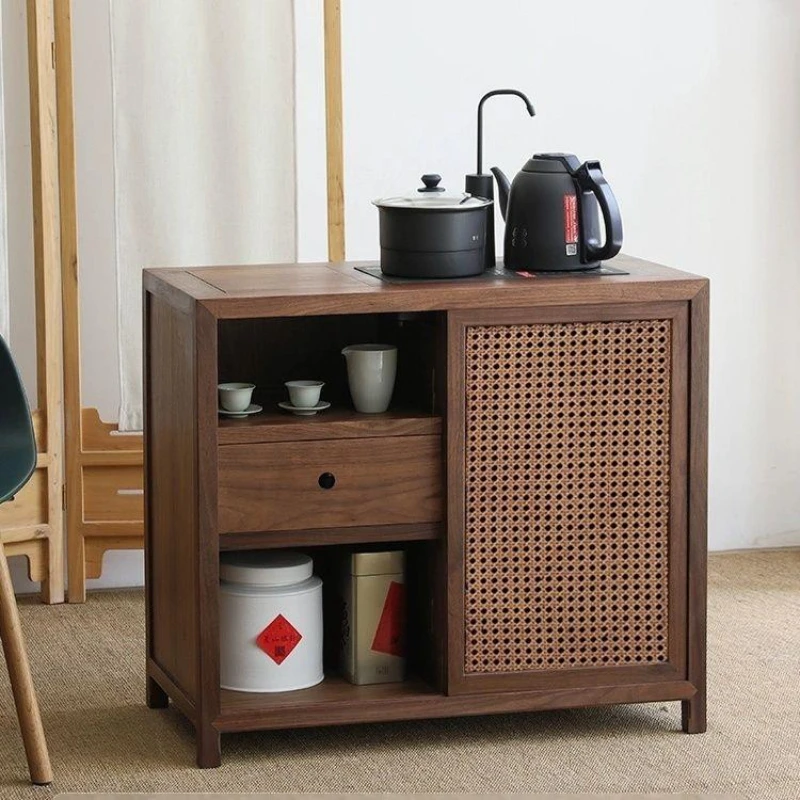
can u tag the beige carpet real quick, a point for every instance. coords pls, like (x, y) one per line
(88, 664)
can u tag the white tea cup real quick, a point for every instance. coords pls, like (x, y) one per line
(371, 371)
(235, 396)
(304, 394)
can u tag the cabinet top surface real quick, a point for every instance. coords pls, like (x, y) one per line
(338, 288)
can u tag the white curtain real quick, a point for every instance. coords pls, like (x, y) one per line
(4, 306)
(204, 154)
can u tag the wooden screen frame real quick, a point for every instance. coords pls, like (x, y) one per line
(680, 567)
(32, 524)
(99, 518)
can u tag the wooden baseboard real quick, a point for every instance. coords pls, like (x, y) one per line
(755, 549)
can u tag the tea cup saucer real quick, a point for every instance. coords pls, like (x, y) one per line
(304, 412)
(251, 409)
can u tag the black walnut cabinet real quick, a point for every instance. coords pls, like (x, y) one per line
(543, 464)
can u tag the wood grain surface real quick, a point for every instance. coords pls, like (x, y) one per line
(205, 560)
(285, 290)
(334, 128)
(337, 702)
(378, 481)
(171, 545)
(215, 484)
(694, 710)
(388, 535)
(47, 276)
(19, 674)
(335, 423)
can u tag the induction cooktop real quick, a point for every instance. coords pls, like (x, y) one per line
(501, 273)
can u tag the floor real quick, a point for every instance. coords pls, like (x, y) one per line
(88, 664)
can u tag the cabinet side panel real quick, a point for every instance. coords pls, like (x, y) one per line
(170, 492)
(694, 712)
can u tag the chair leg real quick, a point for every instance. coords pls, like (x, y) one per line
(30, 722)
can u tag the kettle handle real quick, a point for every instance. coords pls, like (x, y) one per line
(590, 179)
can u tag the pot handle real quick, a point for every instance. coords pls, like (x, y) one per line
(590, 179)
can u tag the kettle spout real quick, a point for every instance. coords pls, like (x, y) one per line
(503, 188)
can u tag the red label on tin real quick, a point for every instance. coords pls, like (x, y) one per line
(278, 639)
(570, 218)
(389, 636)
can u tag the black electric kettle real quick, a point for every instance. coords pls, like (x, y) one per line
(551, 214)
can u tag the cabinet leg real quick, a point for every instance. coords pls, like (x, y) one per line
(693, 713)
(209, 753)
(156, 696)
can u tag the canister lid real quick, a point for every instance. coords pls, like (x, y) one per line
(391, 562)
(266, 567)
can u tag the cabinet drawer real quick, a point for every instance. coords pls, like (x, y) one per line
(375, 481)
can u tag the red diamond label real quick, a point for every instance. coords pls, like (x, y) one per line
(278, 639)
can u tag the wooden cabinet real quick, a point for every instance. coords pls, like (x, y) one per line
(543, 465)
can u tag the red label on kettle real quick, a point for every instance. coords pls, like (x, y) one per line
(570, 219)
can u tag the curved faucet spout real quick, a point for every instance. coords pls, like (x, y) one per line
(483, 99)
(503, 189)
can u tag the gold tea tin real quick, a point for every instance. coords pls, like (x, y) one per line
(374, 618)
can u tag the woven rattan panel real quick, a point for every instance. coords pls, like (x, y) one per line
(567, 495)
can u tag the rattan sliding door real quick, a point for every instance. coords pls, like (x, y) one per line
(567, 435)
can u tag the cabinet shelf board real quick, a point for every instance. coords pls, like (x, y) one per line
(335, 423)
(369, 534)
(337, 702)
(330, 702)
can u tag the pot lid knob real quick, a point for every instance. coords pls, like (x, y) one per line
(431, 183)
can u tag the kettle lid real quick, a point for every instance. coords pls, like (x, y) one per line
(433, 197)
(553, 162)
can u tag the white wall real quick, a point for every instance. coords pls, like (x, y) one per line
(692, 108)
(694, 111)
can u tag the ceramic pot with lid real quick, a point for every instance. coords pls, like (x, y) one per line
(270, 621)
(431, 233)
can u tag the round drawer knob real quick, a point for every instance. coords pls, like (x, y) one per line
(327, 480)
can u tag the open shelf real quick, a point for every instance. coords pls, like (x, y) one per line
(334, 701)
(269, 351)
(334, 423)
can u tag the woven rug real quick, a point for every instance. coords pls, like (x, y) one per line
(88, 665)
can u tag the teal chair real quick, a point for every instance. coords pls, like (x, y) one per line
(17, 462)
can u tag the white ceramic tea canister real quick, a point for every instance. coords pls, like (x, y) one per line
(371, 372)
(270, 619)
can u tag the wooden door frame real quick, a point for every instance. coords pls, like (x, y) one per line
(687, 530)
(101, 461)
(31, 524)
